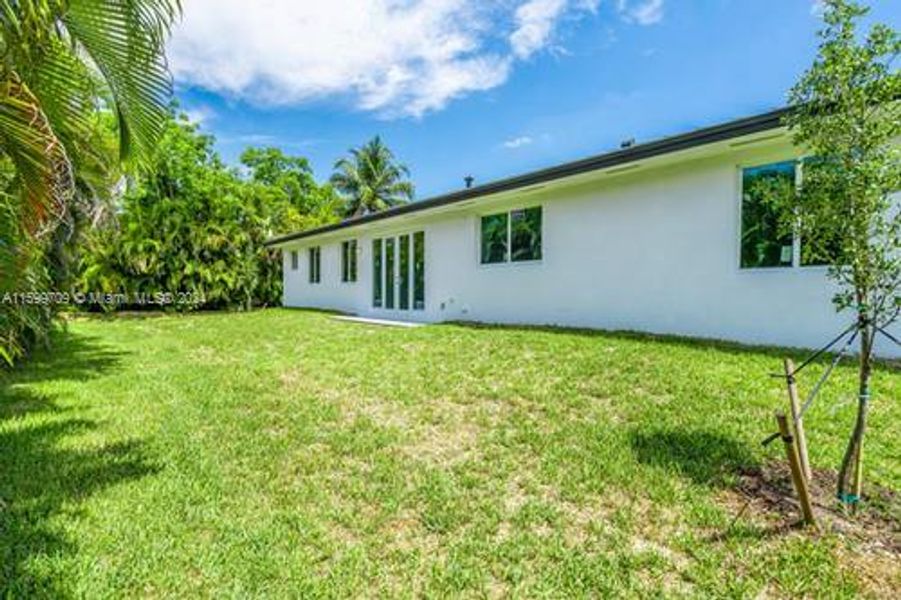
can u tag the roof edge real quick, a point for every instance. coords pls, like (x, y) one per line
(675, 143)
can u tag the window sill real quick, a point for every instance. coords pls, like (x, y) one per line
(785, 269)
(511, 263)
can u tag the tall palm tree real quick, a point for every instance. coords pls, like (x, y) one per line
(371, 180)
(61, 61)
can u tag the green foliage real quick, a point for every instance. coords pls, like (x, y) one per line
(68, 65)
(847, 115)
(60, 58)
(22, 325)
(371, 180)
(191, 230)
(763, 241)
(494, 238)
(288, 185)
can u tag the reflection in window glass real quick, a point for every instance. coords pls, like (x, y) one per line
(419, 270)
(525, 234)
(349, 261)
(761, 244)
(377, 273)
(404, 276)
(353, 260)
(314, 255)
(389, 273)
(494, 238)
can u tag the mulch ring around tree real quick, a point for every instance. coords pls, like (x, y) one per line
(765, 498)
(768, 492)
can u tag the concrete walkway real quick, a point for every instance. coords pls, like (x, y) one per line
(384, 322)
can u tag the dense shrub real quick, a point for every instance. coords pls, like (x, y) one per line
(190, 232)
(22, 324)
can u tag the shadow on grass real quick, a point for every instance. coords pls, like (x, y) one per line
(69, 357)
(704, 457)
(46, 469)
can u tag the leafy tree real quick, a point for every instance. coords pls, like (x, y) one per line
(847, 116)
(371, 180)
(65, 64)
(292, 179)
(59, 57)
(192, 227)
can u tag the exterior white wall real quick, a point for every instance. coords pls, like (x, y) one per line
(656, 251)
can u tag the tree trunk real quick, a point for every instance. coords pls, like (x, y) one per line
(851, 474)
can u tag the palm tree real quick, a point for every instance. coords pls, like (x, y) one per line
(62, 62)
(65, 65)
(371, 180)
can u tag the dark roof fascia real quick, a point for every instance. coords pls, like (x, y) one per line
(685, 141)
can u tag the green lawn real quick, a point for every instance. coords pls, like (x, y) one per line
(283, 453)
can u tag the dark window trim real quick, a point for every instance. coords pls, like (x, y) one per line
(349, 261)
(315, 264)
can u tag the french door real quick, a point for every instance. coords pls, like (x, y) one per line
(398, 272)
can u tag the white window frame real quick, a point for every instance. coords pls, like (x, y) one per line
(395, 276)
(509, 258)
(796, 237)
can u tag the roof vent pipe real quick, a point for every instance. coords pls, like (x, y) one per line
(627, 143)
(469, 179)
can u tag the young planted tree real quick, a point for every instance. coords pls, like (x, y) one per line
(847, 117)
(371, 179)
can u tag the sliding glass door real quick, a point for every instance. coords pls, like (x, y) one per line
(398, 272)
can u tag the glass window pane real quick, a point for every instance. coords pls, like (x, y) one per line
(525, 234)
(419, 270)
(353, 260)
(343, 261)
(389, 273)
(377, 277)
(761, 244)
(404, 275)
(312, 269)
(294, 260)
(494, 238)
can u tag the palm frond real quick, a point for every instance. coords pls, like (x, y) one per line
(38, 155)
(124, 39)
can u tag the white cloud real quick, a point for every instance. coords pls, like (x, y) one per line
(518, 142)
(396, 57)
(200, 114)
(534, 22)
(646, 12)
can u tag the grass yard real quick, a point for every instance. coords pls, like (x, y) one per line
(282, 453)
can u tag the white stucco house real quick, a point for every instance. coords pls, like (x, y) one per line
(667, 237)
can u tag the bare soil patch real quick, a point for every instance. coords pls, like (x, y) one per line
(873, 533)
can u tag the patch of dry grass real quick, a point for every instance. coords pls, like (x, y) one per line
(281, 453)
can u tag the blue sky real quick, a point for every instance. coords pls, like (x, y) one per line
(487, 88)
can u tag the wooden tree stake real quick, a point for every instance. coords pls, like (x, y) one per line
(794, 463)
(800, 437)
